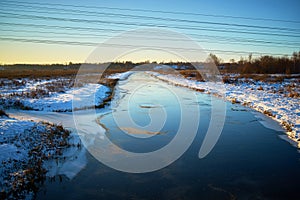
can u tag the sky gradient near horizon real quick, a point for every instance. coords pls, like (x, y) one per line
(52, 31)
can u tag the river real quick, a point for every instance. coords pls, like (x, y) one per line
(249, 160)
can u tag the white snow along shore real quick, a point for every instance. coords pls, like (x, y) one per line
(85, 97)
(27, 149)
(259, 96)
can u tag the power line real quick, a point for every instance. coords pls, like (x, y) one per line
(91, 13)
(43, 26)
(134, 25)
(92, 30)
(105, 13)
(156, 11)
(231, 40)
(223, 38)
(292, 46)
(109, 45)
(242, 39)
(21, 16)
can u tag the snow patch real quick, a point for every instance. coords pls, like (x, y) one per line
(121, 76)
(86, 96)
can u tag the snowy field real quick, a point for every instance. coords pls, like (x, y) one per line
(87, 96)
(51, 95)
(268, 98)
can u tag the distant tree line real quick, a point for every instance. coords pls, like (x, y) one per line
(264, 65)
(260, 65)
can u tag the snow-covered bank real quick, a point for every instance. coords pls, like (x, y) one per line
(27, 148)
(87, 96)
(121, 76)
(74, 159)
(259, 96)
(84, 96)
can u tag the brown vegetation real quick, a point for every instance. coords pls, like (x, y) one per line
(60, 70)
(111, 83)
(287, 126)
(265, 65)
(269, 113)
(26, 176)
(3, 113)
(36, 71)
(260, 88)
(191, 74)
(260, 65)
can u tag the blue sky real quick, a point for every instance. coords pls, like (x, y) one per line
(24, 50)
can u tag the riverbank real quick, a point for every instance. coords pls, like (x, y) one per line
(34, 148)
(52, 95)
(26, 149)
(265, 97)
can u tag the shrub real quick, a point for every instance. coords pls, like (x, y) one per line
(287, 126)
(235, 101)
(269, 113)
(3, 114)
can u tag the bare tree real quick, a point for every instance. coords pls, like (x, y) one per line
(216, 59)
(250, 58)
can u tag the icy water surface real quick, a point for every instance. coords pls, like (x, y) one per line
(249, 160)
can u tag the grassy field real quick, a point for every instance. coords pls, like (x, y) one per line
(37, 71)
(57, 70)
(20, 71)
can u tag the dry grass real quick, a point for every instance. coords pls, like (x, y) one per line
(111, 83)
(235, 101)
(287, 126)
(41, 90)
(191, 74)
(267, 77)
(227, 79)
(260, 88)
(27, 176)
(45, 86)
(52, 71)
(28, 73)
(294, 95)
(269, 113)
(3, 113)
